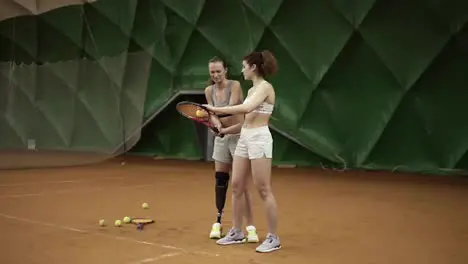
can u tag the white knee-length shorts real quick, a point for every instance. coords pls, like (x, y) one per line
(223, 148)
(255, 143)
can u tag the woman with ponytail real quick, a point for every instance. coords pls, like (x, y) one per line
(254, 149)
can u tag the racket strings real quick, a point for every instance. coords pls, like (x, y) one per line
(190, 110)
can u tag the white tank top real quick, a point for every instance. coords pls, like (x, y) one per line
(263, 108)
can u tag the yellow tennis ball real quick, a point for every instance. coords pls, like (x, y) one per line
(118, 223)
(200, 113)
(145, 206)
(127, 219)
(102, 222)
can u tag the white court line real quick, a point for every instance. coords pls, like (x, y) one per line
(58, 182)
(81, 231)
(42, 223)
(22, 195)
(163, 256)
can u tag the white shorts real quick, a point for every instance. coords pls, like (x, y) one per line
(223, 149)
(255, 143)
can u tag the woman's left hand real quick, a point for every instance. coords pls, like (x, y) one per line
(222, 131)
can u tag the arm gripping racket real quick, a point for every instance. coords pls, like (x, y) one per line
(189, 110)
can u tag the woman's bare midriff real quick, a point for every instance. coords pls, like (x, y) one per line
(253, 120)
(228, 121)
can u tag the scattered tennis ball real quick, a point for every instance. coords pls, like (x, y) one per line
(102, 222)
(145, 206)
(118, 223)
(200, 113)
(127, 219)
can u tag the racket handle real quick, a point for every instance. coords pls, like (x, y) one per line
(217, 132)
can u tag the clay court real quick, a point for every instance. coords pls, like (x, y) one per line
(51, 216)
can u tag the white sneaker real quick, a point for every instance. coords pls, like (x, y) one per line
(216, 230)
(252, 236)
(233, 237)
(270, 244)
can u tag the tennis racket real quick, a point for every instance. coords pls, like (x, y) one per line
(141, 222)
(189, 110)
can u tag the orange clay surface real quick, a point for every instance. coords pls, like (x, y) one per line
(51, 216)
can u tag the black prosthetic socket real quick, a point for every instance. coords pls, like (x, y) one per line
(222, 183)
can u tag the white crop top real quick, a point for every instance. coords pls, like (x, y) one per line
(263, 108)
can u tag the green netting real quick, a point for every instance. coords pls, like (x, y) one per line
(74, 107)
(169, 136)
(374, 84)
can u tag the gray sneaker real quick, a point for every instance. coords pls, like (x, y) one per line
(271, 243)
(233, 237)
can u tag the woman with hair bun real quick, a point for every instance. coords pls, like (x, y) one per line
(254, 149)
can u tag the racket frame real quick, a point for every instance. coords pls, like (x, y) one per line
(144, 221)
(206, 120)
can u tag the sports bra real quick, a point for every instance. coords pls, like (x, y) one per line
(228, 95)
(263, 108)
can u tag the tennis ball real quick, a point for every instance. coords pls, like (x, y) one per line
(127, 219)
(118, 223)
(200, 113)
(102, 222)
(145, 206)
